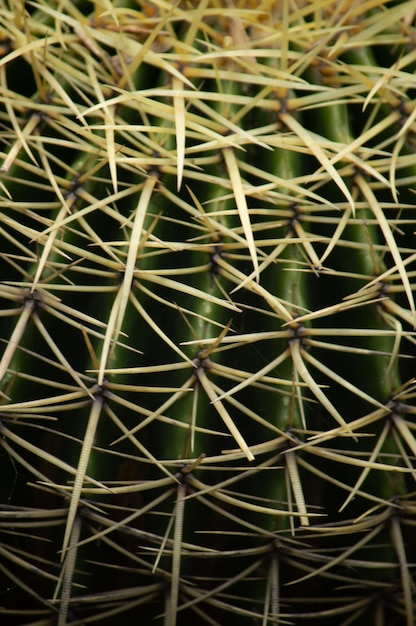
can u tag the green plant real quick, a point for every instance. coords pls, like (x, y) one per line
(207, 269)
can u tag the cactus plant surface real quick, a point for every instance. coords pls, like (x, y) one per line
(207, 313)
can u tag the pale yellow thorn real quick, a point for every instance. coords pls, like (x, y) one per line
(223, 413)
(295, 482)
(84, 458)
(318, 152)
(179, 107)
(241, 202)
(16, 336)
(295, 351)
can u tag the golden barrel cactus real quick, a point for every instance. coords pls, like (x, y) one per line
(207, 262)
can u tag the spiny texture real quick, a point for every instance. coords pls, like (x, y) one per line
(207, 272)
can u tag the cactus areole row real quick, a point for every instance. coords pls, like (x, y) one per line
(207, 313)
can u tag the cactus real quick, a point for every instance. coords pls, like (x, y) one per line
(207, 314)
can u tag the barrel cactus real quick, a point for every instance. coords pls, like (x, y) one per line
(207, 314)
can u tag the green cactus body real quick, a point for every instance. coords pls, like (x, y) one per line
(206, 247)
